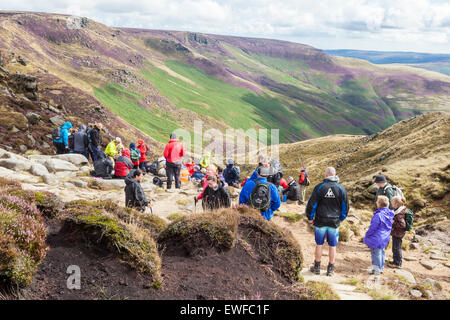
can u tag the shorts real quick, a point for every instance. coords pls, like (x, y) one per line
(332, 235)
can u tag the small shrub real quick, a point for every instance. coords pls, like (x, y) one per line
(321, 291)
(183, 202)
(175, 216)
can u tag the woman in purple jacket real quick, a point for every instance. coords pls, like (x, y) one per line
(377, 237)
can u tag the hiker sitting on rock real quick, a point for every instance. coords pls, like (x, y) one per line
(328, 206)
(190, 166)
(81, 142)
(123, 165)
(215, 195)
(135, 155)
(378, 234)
(402, 222)
(260, 194)
(111, 149)
(210, 171)
(102, 167)
(61, 138)
(384, 189)
(231, 174)
(198, 174)
(292, 191)
(134, 194)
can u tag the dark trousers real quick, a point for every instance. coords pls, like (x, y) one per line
(60, 147)
(94, 152)
(397, 250)
(173, 171)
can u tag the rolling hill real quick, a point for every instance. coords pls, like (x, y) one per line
(429, 61)
(148, 82)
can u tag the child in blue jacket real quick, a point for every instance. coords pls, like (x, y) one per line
(377, 237)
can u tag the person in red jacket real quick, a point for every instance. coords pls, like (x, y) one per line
(123, 165)
(144, 150)
(173, 153)
(190, 166)
(283, 184)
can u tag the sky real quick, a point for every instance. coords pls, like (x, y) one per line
(384, 25)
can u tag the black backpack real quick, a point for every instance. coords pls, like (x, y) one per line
(157, 181)
(56, 133)
(153, 168)
(260, 197)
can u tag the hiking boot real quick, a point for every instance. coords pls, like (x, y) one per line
(316, 268)
(330, 269)
(391, 264)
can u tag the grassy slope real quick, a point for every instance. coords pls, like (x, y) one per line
(123, 103)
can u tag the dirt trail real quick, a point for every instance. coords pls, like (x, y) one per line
(352, 259)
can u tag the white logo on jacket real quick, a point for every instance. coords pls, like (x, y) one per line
(330, 194)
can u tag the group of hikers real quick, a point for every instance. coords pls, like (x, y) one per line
(264, 190)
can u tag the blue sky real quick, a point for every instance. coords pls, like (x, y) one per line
(387, 25)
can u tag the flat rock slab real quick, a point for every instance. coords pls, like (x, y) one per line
(16, 165)
(79, 183)
(74, 158)
(438, 257)
(406, 274)
(430, 265)
(38, 169)
(55, 165)
(109, 183)
(410, 258)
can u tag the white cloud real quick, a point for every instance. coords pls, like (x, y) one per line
(413, 25)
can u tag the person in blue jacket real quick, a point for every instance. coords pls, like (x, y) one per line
(62, 144)
(261, 176)
(378, 234)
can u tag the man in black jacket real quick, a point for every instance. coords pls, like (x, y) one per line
(328, 206)
(134, 194)
(293, 190)
(95, 140)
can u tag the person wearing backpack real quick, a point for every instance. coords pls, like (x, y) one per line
(135, 155)
(327, 207)
(378, 234)
(303, 181)
(292, 191)
(123, 165)
(134, 194)
(384, 189)
(143, 148)
(231, 174)
(260, 194)
(95, 140)
(81, 142)
(103, 167)
(61, 138)
(215, 195)
(173, 152)
(403, 218)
